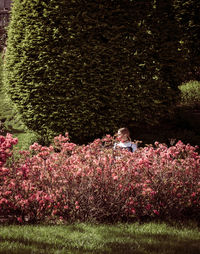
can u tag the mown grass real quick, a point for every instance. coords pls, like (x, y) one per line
(151, 238)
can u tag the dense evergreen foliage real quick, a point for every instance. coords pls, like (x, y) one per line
(187, 15)
(89, 67)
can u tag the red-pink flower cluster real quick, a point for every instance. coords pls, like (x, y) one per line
(94, 182)
(6, 144)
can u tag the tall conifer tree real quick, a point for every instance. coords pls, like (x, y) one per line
(89, 67)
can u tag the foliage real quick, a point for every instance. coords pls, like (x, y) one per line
(9, 118)
(1, 71)
(190, 94)
(88, 68)
(167, 37)
(187, 15)
(2, 37)
(96, 183)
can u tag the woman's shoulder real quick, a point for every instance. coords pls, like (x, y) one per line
(127, 144)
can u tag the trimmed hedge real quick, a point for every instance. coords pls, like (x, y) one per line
(187, 15)
(90, 67)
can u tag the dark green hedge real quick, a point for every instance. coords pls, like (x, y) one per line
(89, 67)
(188, 18)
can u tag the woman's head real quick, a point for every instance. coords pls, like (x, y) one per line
(123, 134)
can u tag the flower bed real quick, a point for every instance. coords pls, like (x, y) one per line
(93, 182)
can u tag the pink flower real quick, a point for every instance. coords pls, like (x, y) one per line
(19, 219)
(3, 200)
(115, 177)
(133, 211)
(54, 212)
(156, 212)
(148, 207)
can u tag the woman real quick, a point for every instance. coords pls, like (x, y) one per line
(124, 140)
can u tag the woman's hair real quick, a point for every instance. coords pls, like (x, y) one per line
(124, 132)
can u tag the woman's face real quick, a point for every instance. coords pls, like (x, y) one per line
(122, 137)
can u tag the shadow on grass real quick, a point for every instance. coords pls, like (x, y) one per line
(79, 240)
(156, 243)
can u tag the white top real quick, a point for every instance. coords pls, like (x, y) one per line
(126, 145)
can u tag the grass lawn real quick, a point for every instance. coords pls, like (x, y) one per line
(81, 238)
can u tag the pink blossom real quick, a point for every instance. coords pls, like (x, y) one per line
(133, 211)
(19, 219)
(148, 206)
(156, 212)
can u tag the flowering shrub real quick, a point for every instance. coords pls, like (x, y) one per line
(68, 182)
(6, 144)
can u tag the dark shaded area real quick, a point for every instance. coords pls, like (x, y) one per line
(184, 126)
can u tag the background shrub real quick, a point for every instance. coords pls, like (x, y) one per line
(10, 120)
(190, 94)
(187, 15)
(88, 68)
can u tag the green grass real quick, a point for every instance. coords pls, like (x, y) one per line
(82, 238)
(25, 139)
(13, 124)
